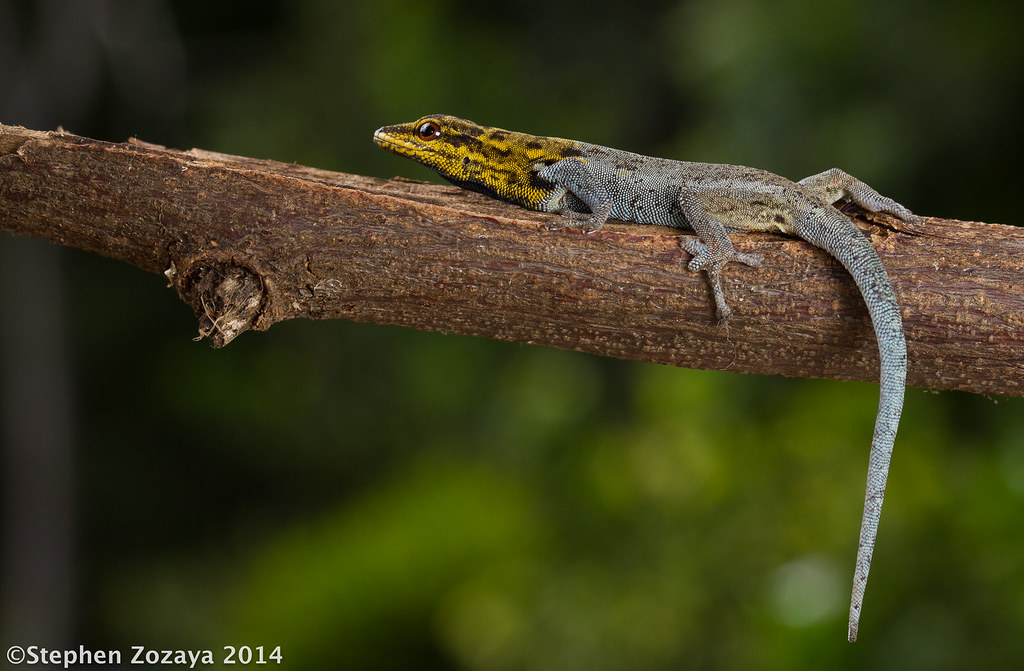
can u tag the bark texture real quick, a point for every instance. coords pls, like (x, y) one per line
(248, 243)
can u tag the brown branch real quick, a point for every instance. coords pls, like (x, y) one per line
(248, 243)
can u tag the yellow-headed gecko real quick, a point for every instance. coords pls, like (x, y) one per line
(589, 184)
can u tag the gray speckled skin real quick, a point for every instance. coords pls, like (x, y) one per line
(590, 184)
(647, 190)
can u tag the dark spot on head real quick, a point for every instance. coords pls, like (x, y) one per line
(456, 140)
(779, 219)
(534, 144)
(498, 151)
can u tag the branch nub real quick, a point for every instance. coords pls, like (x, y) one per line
(226, 298)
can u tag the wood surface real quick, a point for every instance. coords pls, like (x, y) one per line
(248, 243)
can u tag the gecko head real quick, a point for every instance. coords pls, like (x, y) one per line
(493, 161)
(441, 142)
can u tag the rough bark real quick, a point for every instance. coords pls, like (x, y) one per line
(248, 243)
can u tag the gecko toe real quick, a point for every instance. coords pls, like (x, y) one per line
(700, 253)
(569, 219)
(752, 260)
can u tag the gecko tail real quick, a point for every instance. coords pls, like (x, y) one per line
(840, 237)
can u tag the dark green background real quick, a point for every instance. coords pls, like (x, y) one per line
(372, 497)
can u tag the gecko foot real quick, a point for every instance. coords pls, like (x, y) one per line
(587, 223)
(711, 262)
(897, 210)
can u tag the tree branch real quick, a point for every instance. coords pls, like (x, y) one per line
(248, 243)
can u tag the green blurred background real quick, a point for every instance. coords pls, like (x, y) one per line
(372, 497)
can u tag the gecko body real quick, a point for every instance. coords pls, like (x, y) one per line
(589, 184)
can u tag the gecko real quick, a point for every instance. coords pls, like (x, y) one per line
(589, 184)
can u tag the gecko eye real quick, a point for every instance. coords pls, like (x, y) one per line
(429, 131)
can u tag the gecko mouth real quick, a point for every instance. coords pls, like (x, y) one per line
(389, 142)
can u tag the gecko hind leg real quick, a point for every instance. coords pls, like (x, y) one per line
(835, 184)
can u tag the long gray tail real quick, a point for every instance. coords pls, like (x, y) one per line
(842, 239)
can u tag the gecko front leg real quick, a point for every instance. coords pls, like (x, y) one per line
(573, 175)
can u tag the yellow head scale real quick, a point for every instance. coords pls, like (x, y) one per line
(496, 162)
